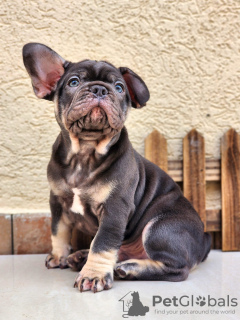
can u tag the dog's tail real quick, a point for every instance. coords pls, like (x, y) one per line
(207, 245)
(146, 309)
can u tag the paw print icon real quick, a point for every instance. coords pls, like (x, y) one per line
(201, 301)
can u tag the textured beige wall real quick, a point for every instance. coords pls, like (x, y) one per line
(188, 53)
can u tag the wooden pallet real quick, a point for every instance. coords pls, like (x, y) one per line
(195, 171)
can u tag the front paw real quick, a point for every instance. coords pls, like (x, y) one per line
(77, 260)
(96, 281)
(53, 261)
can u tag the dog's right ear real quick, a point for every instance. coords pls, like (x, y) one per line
(45, 67)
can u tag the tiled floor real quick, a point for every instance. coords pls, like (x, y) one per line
(29, 291)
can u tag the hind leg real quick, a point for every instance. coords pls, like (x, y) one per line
(171, 248)
(147, 269)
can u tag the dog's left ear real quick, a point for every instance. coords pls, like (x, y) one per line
(136, 86)
(45, 67)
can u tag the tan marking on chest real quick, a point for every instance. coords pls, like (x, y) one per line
(77, 206)
(100, 193)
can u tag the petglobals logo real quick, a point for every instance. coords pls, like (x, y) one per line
(192, 301)
(133, 305)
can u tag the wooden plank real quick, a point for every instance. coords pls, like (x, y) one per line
(230, 185)
(212, 170)
(156, 149)
(194, 172)
(213, 223)
(175, 170)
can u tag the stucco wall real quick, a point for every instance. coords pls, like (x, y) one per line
(188, 53)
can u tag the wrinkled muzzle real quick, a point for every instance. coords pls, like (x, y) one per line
(88, 113)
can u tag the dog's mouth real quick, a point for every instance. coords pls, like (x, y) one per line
(93, 118)
(94, 122)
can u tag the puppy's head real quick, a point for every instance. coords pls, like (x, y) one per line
(92, 97)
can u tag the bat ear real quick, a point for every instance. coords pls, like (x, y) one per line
(45, 67)
(136, 86)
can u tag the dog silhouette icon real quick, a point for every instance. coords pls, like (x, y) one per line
(137, 308)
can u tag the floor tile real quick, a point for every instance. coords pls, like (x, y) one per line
(29, 291)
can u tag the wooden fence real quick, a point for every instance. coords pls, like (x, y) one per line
(194, 171)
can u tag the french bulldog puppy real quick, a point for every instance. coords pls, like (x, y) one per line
(143, 226)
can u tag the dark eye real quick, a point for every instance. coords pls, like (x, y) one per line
(74, 82)
(119, 87)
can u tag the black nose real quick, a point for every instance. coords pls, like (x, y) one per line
(99, 91)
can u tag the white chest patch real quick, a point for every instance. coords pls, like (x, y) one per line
(77, 206)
